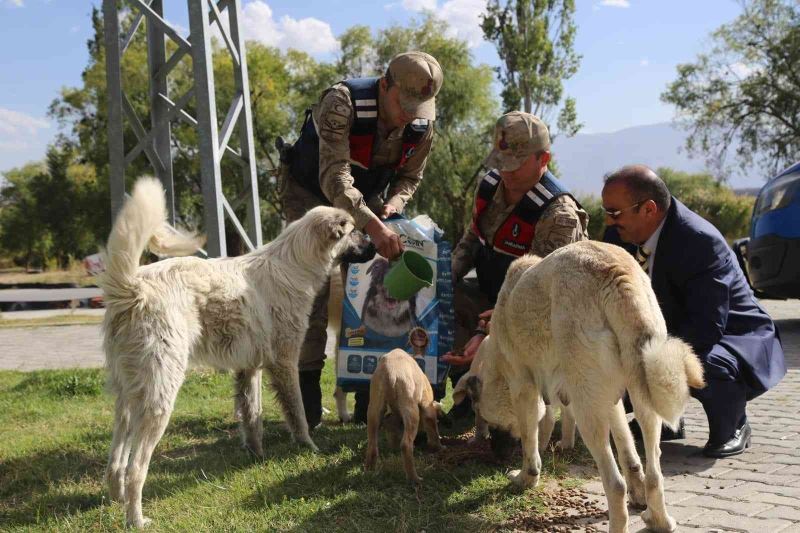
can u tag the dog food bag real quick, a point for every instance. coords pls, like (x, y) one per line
(373, 323)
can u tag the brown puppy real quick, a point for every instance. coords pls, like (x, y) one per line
(400, 384)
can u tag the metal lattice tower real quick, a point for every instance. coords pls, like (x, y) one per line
(213, 140)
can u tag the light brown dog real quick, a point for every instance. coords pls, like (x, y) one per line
(400, 384)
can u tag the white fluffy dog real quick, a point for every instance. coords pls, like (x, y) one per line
(582, 326)
(245, 314)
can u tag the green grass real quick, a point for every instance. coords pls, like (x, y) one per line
(55, 433)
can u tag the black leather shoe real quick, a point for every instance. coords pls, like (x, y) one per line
(667, 434)
(737, 444)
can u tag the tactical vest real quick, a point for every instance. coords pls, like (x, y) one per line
(514, 237)
(370, 180)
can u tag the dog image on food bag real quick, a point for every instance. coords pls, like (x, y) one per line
(383, 314)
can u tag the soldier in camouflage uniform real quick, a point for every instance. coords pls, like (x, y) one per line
(520, 207)
(365, 137)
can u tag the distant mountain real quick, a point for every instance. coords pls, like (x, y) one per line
(583, 160)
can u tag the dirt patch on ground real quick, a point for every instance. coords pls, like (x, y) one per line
(568, 509)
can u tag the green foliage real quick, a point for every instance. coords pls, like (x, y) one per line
(712, 200)
(743, 94)
(62, 383)
(50, 210)
(535, 41)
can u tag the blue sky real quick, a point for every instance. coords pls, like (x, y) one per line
(630, 49)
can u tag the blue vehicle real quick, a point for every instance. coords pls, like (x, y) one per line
(771, 255)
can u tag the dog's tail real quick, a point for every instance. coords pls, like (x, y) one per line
(670, 368)
(141, 223)
(660, 368)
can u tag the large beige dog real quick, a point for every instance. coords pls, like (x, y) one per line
(399, 384)
(245, 314)
(582, 326)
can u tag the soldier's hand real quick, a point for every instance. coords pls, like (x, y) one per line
(387, 211)
(385, 240)
(485, 320)
(470, 349)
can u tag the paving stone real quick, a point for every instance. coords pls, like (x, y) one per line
(746, 475)
(738, 507)
(722, 520)
(781, 511)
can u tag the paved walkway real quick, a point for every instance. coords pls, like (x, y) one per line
(758, 491)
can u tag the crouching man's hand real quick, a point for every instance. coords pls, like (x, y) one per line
(470, 349)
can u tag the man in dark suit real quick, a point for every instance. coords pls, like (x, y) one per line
(704, 297)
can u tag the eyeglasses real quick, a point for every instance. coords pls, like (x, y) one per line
(615, 213)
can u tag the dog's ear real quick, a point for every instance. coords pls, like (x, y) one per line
(474, 386)
(338, 228)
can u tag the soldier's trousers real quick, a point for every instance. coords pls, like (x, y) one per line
(296, 203)
(469, 302)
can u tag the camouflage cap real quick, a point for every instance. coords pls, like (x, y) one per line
(517, 136)
(419, 78)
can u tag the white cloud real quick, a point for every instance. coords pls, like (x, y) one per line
(309, 34)
(644, 62)
(462, 16)
(616, 3)
(741, 70)
(16, 3)
(14, 123)
(419, 5)
(21, 138)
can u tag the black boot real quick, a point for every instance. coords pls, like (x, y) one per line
(362, 404)
(311, 391)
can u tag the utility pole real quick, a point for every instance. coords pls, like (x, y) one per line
(213, 141)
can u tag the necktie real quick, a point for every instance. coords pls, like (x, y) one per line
(642, 254)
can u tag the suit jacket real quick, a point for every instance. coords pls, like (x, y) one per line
(706, 300)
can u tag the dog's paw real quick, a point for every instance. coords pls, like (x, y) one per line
(139, 523)
(523, 480)
(564, 445)
(664, 524)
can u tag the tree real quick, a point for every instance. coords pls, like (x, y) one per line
(744, 94)
(535, 41)
(49, 211)
(712, 200)
(22, 233)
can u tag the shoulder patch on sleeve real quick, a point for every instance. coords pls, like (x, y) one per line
(565, 221)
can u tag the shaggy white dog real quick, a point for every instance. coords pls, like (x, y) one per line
(244, 314)
(582, 326)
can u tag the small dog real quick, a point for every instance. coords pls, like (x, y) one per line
(383, 314)
(245, 314)
(399, 383)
